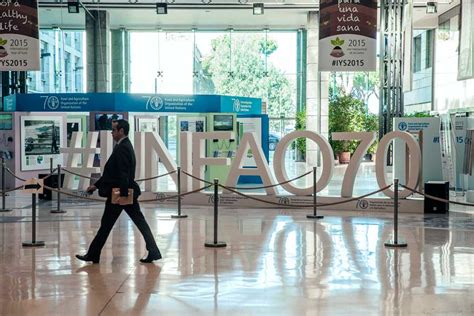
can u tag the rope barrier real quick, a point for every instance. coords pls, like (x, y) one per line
(272, 185)
(175, 196)
(156, 177)
(356, 198)
(78, 174)
(305, 205)
(436, 198)
(141, 201)
(11, 190)
(194, 177)
(10, 172)
(50, 174)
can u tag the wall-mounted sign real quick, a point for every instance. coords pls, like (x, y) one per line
(19, 35)
(347, 35)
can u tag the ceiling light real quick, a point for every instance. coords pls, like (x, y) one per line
(257, 8)
(73, 6)
(431, 7)
(161, 8)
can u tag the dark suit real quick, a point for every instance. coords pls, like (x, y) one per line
(119, 172)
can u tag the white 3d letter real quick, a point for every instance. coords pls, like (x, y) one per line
(279, 162)
(415, 162)
(366, 139)
(200, 161)
(262, 169)
(155, 147)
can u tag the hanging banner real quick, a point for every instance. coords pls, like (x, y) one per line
(19, 35)
(347, 35)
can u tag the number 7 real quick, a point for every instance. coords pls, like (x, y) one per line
(366, 139)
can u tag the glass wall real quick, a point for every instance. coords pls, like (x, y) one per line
(62, 58)
(259, 64)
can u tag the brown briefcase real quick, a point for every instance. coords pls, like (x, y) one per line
(116, 196)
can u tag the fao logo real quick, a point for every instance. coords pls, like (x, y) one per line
(362, 204)
(211, 199)
(160, 196)
(402, 126)
(237, 105)
(284, 200)
(52, 102)
(156, 103)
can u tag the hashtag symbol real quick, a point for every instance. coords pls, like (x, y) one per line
(81, 159)
(334, 63)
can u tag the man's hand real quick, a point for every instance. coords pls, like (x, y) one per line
(91, 189)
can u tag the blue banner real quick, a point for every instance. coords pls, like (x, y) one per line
(127, 102)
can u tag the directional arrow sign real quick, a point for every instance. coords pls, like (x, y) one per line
(33, 185)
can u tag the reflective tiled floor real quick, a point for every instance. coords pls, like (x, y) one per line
(277, 262)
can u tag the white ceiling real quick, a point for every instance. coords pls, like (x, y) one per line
(187, 14)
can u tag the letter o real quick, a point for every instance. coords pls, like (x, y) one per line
(415, 162)
(279, 162)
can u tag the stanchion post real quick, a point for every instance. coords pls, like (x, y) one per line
(314, 215)
(178, 178)
(33, 242)
(3, 188)
(216, 243)
(58, 210)
(51, 165)
(395, 242)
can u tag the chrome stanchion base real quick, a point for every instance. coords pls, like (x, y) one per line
(37, 243)
(2, 210)
(314, 216)
(56, 211)
(392, 244)
(179, 216)
(219, 244)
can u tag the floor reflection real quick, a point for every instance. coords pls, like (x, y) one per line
(276, 262)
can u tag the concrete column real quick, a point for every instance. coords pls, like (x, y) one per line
(98, 47)
(120, 60)
(317, 85)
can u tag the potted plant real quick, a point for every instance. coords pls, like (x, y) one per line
(346, 114)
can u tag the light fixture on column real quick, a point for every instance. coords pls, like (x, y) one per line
(431, 7)
(73, 6)
(257, 8)
(161, 8)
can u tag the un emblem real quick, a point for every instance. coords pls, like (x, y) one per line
(362, 204)
(156, 103)
(236, 105)
(402, 126)
(52, 102)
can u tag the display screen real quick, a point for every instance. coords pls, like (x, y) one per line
(6, 122)
(223, 122)
(103, 121)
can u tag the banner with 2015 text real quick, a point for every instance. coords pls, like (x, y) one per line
(347, 35)
(19, 35)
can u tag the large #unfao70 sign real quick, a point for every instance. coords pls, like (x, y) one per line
(19, 35)
(347, 35)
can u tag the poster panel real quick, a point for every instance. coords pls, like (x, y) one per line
(148, 124)
(250, 125)
(19, 35)
(347, 35)
(74, 124)
(41, 139)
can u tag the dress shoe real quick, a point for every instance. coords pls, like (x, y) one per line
(151, 257)
(87, 258)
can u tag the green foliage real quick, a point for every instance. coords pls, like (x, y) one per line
(371, 124)
(418, 114)
(245, 72)
(346, 114)
(301, 125)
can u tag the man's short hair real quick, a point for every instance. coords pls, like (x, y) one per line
(122, 124)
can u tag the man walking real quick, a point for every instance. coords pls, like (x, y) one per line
(119, 172)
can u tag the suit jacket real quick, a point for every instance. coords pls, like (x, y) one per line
(119, 171)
